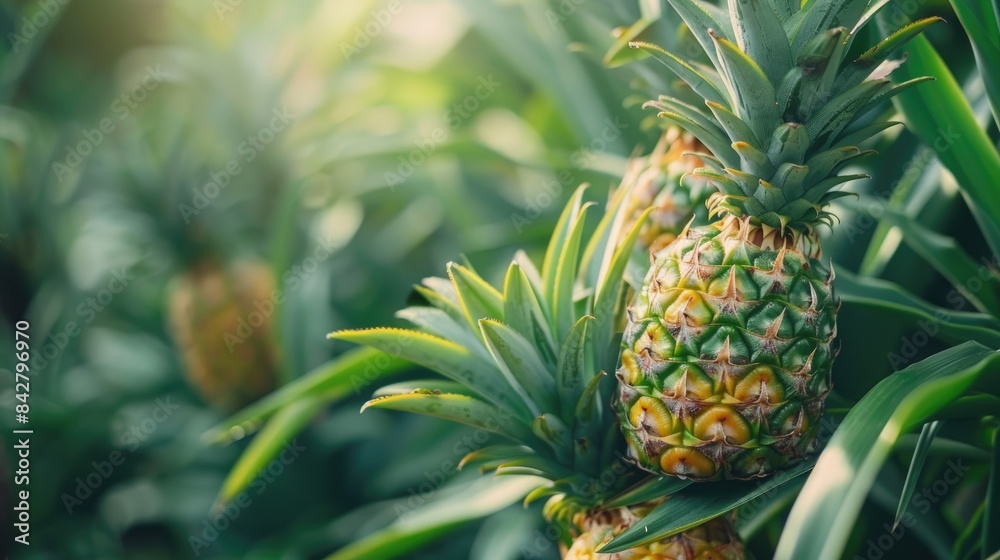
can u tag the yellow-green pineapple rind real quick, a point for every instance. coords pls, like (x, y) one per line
(727, 355)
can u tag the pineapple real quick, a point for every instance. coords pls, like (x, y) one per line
(654, 181)
(218, 319)
(527, 362)
(714, 540)
(728, 349)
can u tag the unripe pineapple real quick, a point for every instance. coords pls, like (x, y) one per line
(727, 355)
(655, 181)
(531, 354)
(714, 540)
(221, 319)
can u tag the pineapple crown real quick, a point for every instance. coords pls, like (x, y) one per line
(783, 98)
(527, 361)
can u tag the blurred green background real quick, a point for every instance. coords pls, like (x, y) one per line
(193, 192)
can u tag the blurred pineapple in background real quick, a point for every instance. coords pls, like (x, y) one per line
(657, 178)
(221, 319)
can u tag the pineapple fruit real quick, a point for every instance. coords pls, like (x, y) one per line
(713, 540)
(224, 337)
(728, 349)
(654, 180)
(527, 362)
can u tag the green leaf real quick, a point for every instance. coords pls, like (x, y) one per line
(445, 512)
(279, 431)
(445, 357)
(479, 299)
(524, 313)
(341, 377)
(927, 434)
(760, 35)
(609, 291)
(754, 98)
(566, 271)
(951, 261)
(463, 409)
(985, 46)
(699, 21)
(826, 511)
(991, 511)
(649, 489)
(440, 323)
(696, 505)
(887, 297)
(554, 253)
(574, 367)
(698, 81)
(939, 114)
(520, 363)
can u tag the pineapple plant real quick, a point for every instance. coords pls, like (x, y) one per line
(727, 353)
(527, 361)
(224, 335)
(654, 181)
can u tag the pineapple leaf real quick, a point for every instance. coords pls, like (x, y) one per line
(823, 516)
(479, 299)
(948, 258)
(991, 505)
(856, 137)
(554, 255)
(566, 271)
(607, 294)
(463, 409)
(697, 504)
(754, 98)
(550, 429)
(441, 324)
(786, 8)
(870, 59)
(890, 298)
(277, 433)
(734, 126)
(451, 507)
(495, 453)
(520, 363)
(525, 315)
(753, 160)
(585, 407)
(601, 246)
(332, 381)
(574, 366)
(820, 15)
(539, 493)
(700, 21)
(927, 434)
(713, 138)
(423, 385)
(445, 357)
(760, 35)
(649, 489)
(699, 82)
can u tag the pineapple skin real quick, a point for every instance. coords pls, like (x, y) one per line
(713, 540)
(209, 309)
(657, 184)
(727, 353)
